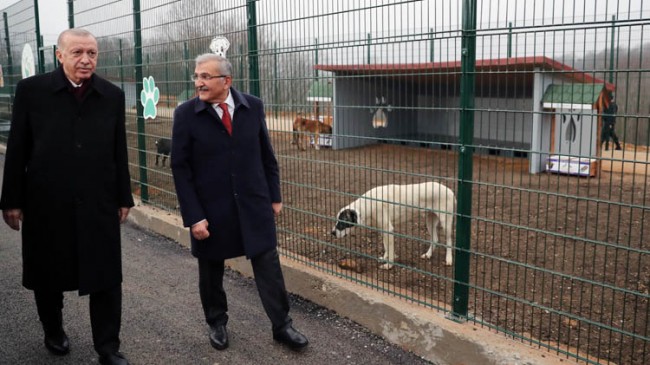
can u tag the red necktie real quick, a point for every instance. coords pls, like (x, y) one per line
(225, 117)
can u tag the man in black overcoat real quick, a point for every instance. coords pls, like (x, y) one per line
(66, 179)
(228, 186)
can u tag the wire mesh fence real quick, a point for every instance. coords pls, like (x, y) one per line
(506, 103)
(19, 29)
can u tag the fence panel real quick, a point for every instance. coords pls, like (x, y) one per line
(18, 55)
(561, 259)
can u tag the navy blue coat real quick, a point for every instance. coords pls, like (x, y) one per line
(229, 180)
(67, 169)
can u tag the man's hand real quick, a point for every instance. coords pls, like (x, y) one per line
(13, 217)
(277, 208)
(200, 230)
(123, 213)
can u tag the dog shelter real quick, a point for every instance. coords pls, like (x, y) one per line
(575, 125)
(522, 105)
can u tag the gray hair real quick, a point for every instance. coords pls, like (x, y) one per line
(223, 65)
(79, 32)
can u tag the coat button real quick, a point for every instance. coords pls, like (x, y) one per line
(78, 144)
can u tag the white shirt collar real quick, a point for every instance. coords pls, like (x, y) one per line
(229, 100)
(75, 85)
(231, 105)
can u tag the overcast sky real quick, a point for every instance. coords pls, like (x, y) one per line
(417, 16)
(53, 19)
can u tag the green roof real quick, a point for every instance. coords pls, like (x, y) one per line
(320, 89)
(572, 93)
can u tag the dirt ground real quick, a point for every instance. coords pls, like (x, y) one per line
(559, 260)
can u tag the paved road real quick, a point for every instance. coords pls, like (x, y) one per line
(162, 316)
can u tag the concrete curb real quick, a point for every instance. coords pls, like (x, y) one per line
(420, 330)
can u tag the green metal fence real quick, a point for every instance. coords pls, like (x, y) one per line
(19, 55)
(500, 100)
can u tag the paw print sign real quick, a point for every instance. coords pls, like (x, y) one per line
(149, 97)
(28, 65)
(379, 118)
(219, 46)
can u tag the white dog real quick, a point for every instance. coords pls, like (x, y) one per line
(384, 206)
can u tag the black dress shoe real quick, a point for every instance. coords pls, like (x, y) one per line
(219, 337)
(57, 344)
(292, 338)
(113, 359)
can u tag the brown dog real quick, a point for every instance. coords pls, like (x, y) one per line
(304, 128)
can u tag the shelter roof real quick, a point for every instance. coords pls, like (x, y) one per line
(572, 93)
(517, 69)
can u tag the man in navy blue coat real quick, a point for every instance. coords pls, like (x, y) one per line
(228, 186)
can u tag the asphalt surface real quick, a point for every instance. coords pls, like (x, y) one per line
(162, 319)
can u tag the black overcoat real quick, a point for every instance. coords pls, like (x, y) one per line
(229, 180)
(67, 169)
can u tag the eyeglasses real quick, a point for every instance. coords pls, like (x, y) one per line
(206, 77)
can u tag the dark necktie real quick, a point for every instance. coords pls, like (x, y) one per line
(225, 117)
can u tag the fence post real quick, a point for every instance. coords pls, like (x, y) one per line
(55, 61)
(315, 82)
(70, 14)
(241, 68)
(39, 41)
(167, 83)
(510, 40)
(254, 68)
(315, 58)
(10, 59)
(142, 143)
(369, 40)
(432, 45)
(463, 225)
(611, 51)
(275, 80)
(121, 60)
(189, 85)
